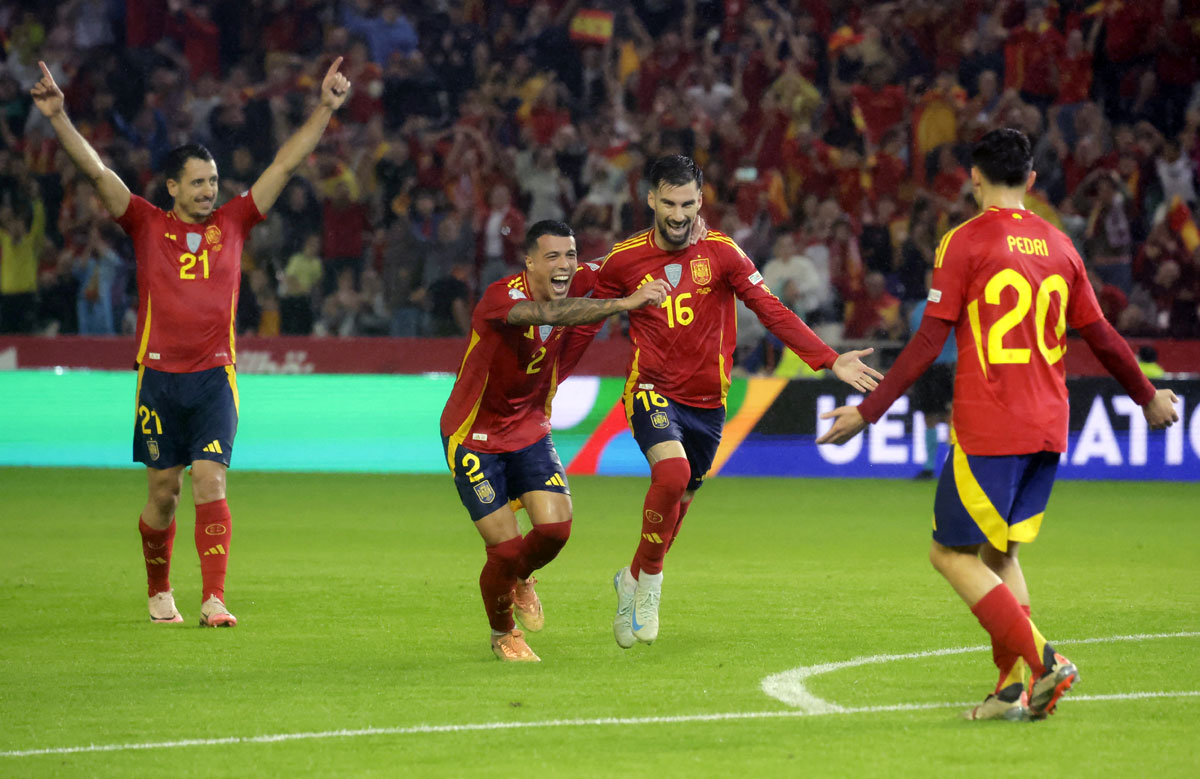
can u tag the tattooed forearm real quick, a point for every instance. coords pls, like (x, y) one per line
(568, 311)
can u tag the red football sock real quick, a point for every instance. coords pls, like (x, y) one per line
(156, 548)
(214, 528)
(683, 509)
(660, 513)
(1004, 620)
(496, 582)
(542, 544)
(1006, 661)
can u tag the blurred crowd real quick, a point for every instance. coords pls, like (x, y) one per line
(834, 137)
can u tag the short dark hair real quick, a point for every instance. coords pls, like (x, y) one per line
(546, 227)
(1004, 157)
(177, 158)
(675, 170)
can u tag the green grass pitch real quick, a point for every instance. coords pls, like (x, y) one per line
(359, 610)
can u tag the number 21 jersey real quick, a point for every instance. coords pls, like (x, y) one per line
(188, 276)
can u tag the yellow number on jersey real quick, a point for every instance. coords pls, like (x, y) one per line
(188, 261)
(997, 353)
(535, 364)
(677, 311)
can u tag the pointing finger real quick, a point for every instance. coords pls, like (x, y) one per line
(334, 67)
(45, 71)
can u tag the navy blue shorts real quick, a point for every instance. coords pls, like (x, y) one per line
(183, 417)
(655, 419)
(992, 499)
(486, 482)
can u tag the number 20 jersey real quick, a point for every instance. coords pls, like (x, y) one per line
(188, 276)
(1011, 283)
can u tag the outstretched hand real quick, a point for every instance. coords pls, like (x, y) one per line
(46, 94)
(848, 422)
(1160, 411)
(850, 368)
(335, 88)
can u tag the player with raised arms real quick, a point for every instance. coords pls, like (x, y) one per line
(1008, 284)
(496, 424)
(188, 274)
(679, 374)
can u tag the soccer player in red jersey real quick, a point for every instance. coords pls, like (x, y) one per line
(496, 424)
(1008, 284)
(188, 274)
(679, 374)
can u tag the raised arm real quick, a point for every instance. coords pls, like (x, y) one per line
(295, 149)
(583, 311)
(49, 99)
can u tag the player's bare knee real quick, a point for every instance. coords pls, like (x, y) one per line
(208, 485)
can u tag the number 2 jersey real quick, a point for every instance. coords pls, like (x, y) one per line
(501, 399)
(1011, 283)
(188, 276)
(683, 349)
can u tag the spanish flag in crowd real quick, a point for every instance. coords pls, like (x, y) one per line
(1179, 218)
(591, 25)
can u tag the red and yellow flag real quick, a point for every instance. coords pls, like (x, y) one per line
(591, 25)
(1180, 220)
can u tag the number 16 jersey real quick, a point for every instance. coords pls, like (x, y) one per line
(1011, 283)
(188, 276)
(683, 349)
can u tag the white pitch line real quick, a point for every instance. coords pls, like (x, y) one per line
(790, 686)
(609, 721)
(557, 723)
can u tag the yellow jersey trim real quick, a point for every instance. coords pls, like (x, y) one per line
(630, 383)
(232, 325)
(460, 434)
(145, 343)
(232, 376)
(940, 256)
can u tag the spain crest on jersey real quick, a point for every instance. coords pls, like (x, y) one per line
(659, 419)
(152, 447)
(484, 491)
(674, 273)
(212, 234)
(701, 272)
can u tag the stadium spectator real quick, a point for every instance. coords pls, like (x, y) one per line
(803, 96)
(21, 237)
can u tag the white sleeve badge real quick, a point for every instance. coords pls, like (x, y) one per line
(935, 296)
(755, 277)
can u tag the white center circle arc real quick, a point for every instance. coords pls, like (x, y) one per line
(791, 687)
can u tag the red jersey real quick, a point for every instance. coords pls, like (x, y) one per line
(188, 277)
(683, 349)
(501, 398)
(1011, 283)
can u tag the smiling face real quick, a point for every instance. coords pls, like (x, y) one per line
(675, 209)
(551, 266)
(195, 191)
